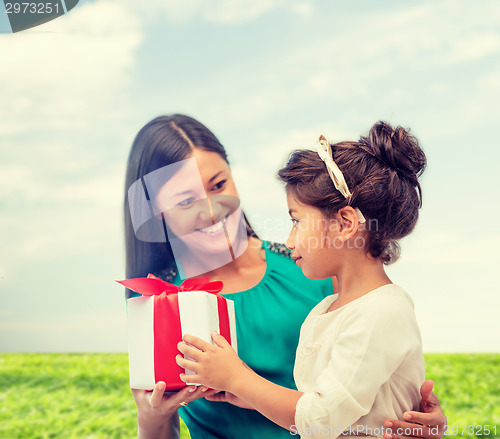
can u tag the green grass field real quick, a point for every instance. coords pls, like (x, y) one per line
(87, 395)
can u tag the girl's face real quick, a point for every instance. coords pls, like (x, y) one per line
(314, 240)
(200, 204)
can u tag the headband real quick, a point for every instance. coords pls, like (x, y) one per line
(325, 153)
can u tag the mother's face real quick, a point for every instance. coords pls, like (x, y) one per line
(200, 204)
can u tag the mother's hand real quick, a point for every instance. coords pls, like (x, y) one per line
(429, 423)
(157, 413)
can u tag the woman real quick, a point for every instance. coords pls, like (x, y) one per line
(258, 276)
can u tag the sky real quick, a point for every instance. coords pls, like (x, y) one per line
(267, 77)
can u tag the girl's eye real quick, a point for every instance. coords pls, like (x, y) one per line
(185, 202)
(294, 222)
(219, 185)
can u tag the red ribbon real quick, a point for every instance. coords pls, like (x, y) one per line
(154, 286)
(167, 320)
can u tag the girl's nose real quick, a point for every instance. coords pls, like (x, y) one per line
(290, 242)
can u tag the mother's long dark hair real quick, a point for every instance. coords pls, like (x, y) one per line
(161, 142)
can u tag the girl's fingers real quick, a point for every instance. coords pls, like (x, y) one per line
(220, 340)
(219, 397)
(186, 364)
(189, 351)
(189, 378)
(196, 342)
(209, 392)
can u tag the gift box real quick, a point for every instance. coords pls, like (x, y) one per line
(161, 316)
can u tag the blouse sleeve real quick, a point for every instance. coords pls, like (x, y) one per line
(364, 356)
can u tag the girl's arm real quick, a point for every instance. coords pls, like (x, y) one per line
(218, 366)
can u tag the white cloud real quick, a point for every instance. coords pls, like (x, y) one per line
(489, 83)
(451, 249)
(472, 47)
(226, 12)
(418, 36)
(46, 217)
(57, 234)
(34, 174)
(230, 11)
(61, 194)
(389, 57)
(56, 78)
(303, 9)
(172, 10)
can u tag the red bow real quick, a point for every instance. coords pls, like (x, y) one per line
(154, 286)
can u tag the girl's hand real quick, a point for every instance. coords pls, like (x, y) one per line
(430, 423)
(216, 366)
(157, 413)
(230, 398)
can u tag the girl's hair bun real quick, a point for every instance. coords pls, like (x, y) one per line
(397, 149)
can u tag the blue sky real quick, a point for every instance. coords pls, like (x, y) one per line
(267, 76)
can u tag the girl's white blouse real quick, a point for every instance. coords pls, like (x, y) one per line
(358, 365)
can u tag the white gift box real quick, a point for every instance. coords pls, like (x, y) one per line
(157, 323)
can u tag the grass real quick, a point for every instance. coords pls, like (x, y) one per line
(468, 386)
(87, 395)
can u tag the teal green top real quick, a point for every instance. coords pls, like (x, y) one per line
(268, 320)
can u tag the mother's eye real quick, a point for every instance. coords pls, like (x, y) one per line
(186, 202)
(219, 185)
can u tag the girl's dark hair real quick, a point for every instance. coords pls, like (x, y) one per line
(381, 171)
(161, 142)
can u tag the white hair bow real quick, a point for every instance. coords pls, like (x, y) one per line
(325, 153)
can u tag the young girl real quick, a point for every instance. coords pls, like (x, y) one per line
(349, 204)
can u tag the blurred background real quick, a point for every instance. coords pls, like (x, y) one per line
(266, 76)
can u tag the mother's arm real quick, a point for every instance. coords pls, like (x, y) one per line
(157, 415)
(429, 423)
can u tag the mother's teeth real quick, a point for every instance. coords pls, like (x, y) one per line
(212, 229)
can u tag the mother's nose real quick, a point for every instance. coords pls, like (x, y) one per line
(204, 213)
(222, 206)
